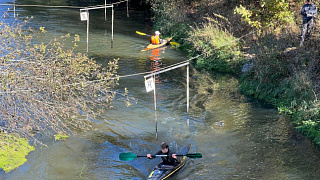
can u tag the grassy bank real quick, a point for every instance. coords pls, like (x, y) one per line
(258, 42)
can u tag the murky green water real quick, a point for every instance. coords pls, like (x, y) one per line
(239, 137)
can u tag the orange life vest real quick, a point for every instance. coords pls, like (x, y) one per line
(155, 40)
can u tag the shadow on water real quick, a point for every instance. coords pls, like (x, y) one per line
(239, 137)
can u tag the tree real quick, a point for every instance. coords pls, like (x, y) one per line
(47, 87)
(272, 14)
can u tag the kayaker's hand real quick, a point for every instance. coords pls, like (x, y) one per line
(149, 156)
(174, 156)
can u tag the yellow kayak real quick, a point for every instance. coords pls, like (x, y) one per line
(154, 46)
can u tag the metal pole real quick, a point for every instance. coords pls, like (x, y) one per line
(105, 10)
(127, 8)
(188, 93)
(112, 27)
(88, 32)
(188, 89)
(155, 104)
(14, 8)
(156, 119)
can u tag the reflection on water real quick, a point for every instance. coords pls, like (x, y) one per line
(156, 63)
(239, 137)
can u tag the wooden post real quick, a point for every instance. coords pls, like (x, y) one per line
(112, 27)
(88, 31)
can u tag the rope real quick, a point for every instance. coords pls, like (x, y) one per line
(74, 7)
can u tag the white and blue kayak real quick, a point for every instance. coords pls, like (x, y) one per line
(161, 172)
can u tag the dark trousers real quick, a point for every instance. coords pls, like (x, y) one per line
(306, 30)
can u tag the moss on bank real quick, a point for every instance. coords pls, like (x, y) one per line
(13, 151)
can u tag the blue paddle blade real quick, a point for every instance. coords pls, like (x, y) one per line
(127, 156)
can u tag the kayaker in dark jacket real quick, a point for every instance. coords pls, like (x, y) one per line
(308, 11)
(170, 159)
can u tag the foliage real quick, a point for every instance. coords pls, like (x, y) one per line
(221, 50)
(58, 137)
(306, 119)
(246, 16)
(281, 91)
(13, 151)
(292, 91)
(273, 14)
(170, 18)
(293, 96)
(275, 71)
(47, 87)
(270, 77)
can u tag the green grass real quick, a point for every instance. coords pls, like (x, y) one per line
(220, 49)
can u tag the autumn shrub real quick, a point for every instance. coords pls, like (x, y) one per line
(274, 14)
(46, 87)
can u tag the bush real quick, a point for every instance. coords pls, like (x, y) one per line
(221, 50)
(48, 87)
(274, 14)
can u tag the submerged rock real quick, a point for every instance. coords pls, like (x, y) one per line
(220, 123)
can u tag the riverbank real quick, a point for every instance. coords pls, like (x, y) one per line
(260, 46)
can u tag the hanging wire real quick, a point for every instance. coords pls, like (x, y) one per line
(47, 6)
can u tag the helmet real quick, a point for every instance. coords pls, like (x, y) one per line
(157, 32)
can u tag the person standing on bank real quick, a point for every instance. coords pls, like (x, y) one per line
(155, 39)
(170, 159)
(308, 11)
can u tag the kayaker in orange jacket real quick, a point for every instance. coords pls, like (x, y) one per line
(155, 39)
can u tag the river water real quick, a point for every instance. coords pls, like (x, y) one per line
(239, 137)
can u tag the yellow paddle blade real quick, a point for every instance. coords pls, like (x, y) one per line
(174, 43)
(141, 33)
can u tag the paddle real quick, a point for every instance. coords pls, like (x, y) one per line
(174, 43)
(144, 34)
(130, 156)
